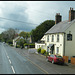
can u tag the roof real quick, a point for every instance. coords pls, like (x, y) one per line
(60, 27)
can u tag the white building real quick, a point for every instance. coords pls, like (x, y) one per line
(60, 39)
(15, 40)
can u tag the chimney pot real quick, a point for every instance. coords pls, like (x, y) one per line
(71, 14)
(72, 8)
(58, 18)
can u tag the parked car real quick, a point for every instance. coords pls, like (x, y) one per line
(55, 59)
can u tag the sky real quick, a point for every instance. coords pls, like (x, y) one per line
(27, 15)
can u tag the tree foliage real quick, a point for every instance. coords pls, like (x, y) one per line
(9, 34)
(40, 30)
(25, 35)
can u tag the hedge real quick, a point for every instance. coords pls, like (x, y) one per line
(29, 45)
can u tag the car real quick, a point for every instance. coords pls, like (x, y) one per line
(55, 59)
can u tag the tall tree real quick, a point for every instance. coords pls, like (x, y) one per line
(8, 34)
(40, 30)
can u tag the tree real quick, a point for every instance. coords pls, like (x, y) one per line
(25, 35)
(40, 30)
(8, 34)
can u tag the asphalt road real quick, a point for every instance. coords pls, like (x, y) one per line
(23, 61)
(12, 62)
(40, 61)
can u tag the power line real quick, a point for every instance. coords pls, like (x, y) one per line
(17, 20)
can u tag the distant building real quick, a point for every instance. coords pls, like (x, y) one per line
(15, 40)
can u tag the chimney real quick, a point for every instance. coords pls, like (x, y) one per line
(71, 14)
(58, 18)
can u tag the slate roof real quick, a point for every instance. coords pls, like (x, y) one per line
(60, 27)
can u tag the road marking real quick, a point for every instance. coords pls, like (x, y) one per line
(8, 57)
(13, 69)
(9, 61)
(38, 66)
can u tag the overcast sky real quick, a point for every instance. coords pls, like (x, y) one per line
(32, 13)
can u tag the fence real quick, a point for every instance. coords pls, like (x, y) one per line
(66, 59)
(72, 60)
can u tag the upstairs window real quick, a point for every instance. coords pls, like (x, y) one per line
(57, 37)
(52, 38)
(48, 38)
(69, 37)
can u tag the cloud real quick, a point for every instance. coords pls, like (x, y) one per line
(34, 12)
(14, 11)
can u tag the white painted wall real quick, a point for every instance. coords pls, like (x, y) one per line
(38, 45)
(56, 44)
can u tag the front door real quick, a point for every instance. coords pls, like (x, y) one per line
(47, 48)
(52, 49)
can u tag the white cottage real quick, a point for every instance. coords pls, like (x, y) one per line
(15, 40)
(60, 39)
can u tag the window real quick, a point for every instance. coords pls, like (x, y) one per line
(52, 38)
(48, 38)
(57, 50)
(57, 37)
(69, 37)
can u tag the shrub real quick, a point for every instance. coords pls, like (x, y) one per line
(18, 46)
(11, 44)
(29, 45)
(47, 53)
(43, 51)
(25, 44)
(39, 50)
(21, 42)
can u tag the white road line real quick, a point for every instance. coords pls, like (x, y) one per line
(9, 61)
(13, 69)
(8, 57)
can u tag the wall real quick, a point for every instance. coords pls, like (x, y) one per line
(70, 45)
(38, 45)
(59, 44)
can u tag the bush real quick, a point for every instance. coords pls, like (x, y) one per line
(29, 45)
(21, 42)
(11, 44)
(39, 50)
(43, 51)
(26, 44)
(47, 53)
(18, 46)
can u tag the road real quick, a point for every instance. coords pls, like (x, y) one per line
(22, 61)
(49, 68)
(13, 63)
